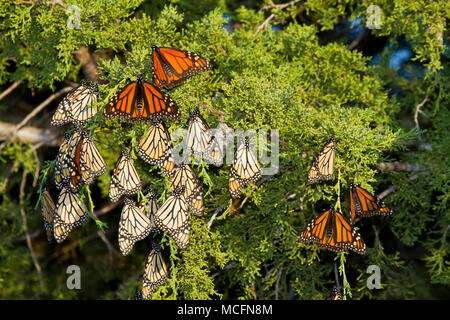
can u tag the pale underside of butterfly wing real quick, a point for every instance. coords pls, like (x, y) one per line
(150, 209)
(245, 169)
(77, 106)
(91, 159)
(133, 226)
(125, 179)
(48, 212)
(323, 166)
(155, 273)
(69, 214)
(173, 216)
(155, 147)
(193, 192)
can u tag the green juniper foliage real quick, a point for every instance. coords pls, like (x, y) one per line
(303, 80)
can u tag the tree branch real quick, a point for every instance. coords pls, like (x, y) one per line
(48, 137)
(32, 114)
(25, 227)
(10, 89)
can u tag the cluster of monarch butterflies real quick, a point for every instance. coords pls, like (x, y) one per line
(79, 162)
(331, 229)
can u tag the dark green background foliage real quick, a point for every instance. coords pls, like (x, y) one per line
(302, 80)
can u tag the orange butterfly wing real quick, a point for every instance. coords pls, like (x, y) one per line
(171, 66)
(364, 204)
(141, 101)
(346, 236)
(332, 231)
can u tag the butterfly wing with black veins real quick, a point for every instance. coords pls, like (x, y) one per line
(60, 178)
(141, 101)
(245, 169)
(78, 106)
(133, 226)
(323, 166)
(214, 154)
(150, 208)
(364, 204)
(155, 272)
(91, 159)
(193, 192)
(69, 214)
(332, 231)
(48, 212)
(171, 66)
(155, 147)
(173, 216)
(198, 135)
(125, 180)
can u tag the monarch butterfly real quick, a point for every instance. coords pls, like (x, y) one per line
(200, 142)
(193, 193)
(364, 204)
(336, 294)
(68, 171)
(215, 155)
(78, 161)
(155, 147)
(150, 208)
(69, 214)
(332, 231)
(173, 216)
(48, 212)
(155, 272)
(78, 106)
(140, 101)
(182, 239)
(125, 180)
(323, 166)
(59, 160)
(171, 67)
(133, 226)
(90, 158)
(245, 169)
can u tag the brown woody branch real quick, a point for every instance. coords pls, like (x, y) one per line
(25, 227)
(10, 89)
(12, 135)
(87, 63)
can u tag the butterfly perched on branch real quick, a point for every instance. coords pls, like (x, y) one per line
(141, 101)
(364, 204)
(78, 106)
(245, 169)
(323, 165)
(171, 67)
(332, 231)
